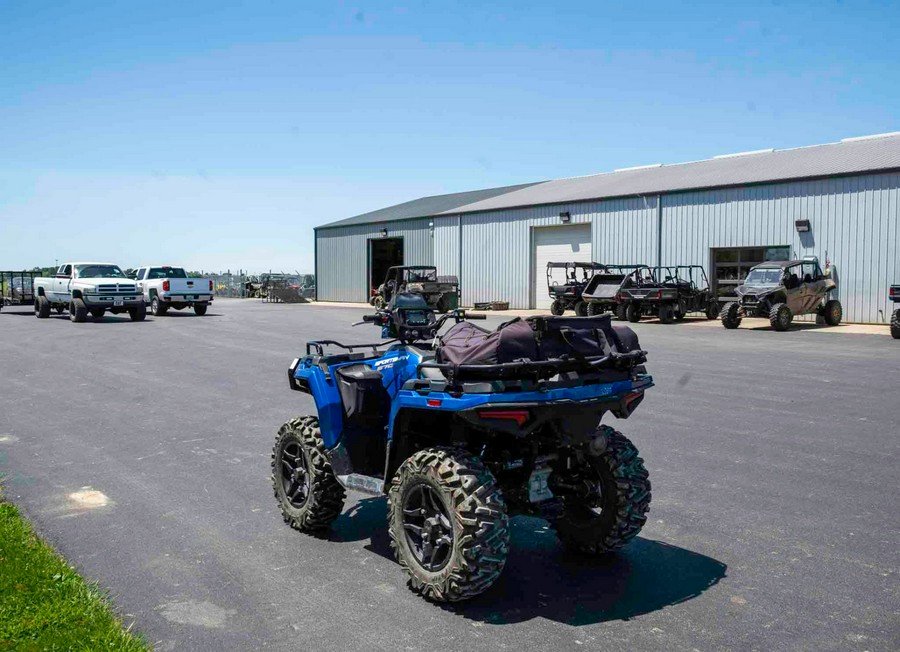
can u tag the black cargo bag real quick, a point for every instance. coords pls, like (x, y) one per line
(466, 343)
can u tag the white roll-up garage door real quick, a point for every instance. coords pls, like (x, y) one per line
(557, 244)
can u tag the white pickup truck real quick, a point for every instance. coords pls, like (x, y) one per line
(165, 287)
(88, 288)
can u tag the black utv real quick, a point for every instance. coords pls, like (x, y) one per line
(895, 318)
(567, 295)
(441, 293)
(780, 290)
(677, 291)
(606, 291)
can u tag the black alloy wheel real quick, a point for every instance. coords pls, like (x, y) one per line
(295, 474)
(426, 522)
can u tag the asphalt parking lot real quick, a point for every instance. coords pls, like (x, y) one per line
(774, 524)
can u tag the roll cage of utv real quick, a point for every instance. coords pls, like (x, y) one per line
(605, 291)
(568, 294)
(676, 291)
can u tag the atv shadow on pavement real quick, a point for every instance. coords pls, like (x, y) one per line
(543, 580)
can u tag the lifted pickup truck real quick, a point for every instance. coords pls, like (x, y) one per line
(88, 288)
(165, 287)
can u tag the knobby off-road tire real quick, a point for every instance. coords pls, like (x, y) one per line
(623, 504)
(712, 310)
(138, 313)
(158, 308)
(593, 309)
(41, 307)
(633, 313)
(780, 317)
(299, 441)
(200, 309)
(621, 312)
(77, 311)
(379, 302)
(581, 309)
(473, 516)
(833, 312)
(666, 314)
(895, 325)
(557, 308)
(731, 315)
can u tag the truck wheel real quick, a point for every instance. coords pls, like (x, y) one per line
(98, 313)
(833, 312)
(309, 495)
(895, 325)
(633, 313)
(41, 307)
(557, 308)
(158, 308)
(731, 315)
(618, 504)
(138, 313)
(448, 524)
(666, 314)
(593, 309)
(580, 309)
(712, 310)
(77, 311)
(200, 309)
(780, 317)
(621, 312)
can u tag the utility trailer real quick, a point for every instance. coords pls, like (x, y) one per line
(605, 291)
(568, 295)
(17, 288)
(677, 291)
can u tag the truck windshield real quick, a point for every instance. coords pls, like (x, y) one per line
(166, 272)
(763, 277)
(99, 271)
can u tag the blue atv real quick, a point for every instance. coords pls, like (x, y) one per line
(463, 431)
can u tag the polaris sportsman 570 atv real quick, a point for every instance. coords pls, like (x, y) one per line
(460, 446)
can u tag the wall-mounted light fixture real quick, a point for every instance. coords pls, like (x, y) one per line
(565, 217)
(431, 227)
(802, 226)
(383, 233)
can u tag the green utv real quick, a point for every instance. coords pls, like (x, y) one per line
(781, 290)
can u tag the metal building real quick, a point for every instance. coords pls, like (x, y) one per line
(726, 214)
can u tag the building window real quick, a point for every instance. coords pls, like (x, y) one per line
(732, 264)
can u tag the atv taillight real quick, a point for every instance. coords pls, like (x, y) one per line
(165, 286)
(519, 416)
(434, 402)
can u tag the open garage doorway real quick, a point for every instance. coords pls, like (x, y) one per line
(383, 254)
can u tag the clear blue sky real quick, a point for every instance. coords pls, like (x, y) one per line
(217, 134)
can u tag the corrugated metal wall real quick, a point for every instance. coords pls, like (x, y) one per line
(342, 256)
(853, 219)
(497, 245)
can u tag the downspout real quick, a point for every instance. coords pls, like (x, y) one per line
(459, 275)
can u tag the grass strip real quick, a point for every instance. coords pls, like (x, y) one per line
(44, 604)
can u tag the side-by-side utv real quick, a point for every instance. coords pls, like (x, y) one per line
(567, 295)
(677, 291)
(605, 291)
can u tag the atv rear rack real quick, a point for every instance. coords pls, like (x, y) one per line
(536, 368)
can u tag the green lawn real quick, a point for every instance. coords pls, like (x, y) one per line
(45, 604)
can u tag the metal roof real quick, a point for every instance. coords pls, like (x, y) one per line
(849, 156)
(426, 206)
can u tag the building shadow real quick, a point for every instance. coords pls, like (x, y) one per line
(543, 580)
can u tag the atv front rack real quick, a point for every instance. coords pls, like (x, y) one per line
(536, 369)
(319, 346)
